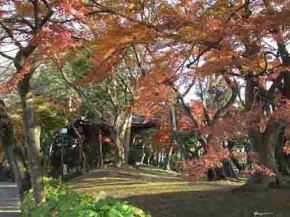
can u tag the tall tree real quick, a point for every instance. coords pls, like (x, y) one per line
(188, 42)
(33, 30)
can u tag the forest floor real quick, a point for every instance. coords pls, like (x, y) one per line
(166, 194)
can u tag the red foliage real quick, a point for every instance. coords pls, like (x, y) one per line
(163, 135)
(108, 140)
(196, 169)
(252, 157)
(258, 170)
(14, 80)
(53, 41)
(72, 7)
(286, 148)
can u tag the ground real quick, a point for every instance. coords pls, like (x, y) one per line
(167, 194)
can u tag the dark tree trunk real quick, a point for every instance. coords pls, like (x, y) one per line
(31, 138)
(265, 144)
(176, 140)
(281, 157)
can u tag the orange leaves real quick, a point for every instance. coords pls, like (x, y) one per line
(197, 109)
(235, 125)
(215, 61)
(113, 43)
(286, 148)
(184, 122)
(103, 68)
(120, 35)
(282, 112)
(163, 135)
(153, 100)
(15, 79)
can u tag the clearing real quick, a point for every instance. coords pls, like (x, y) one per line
(166, 194)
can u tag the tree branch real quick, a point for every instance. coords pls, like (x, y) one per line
(223, 110)
(6, 56)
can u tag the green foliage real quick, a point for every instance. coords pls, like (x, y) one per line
(63, 202)
(49, 120)
(80, 67)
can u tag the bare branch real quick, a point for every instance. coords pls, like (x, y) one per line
(6, 56)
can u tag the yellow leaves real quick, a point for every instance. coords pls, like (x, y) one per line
(131, 6)
(24, 9)
(40, 105)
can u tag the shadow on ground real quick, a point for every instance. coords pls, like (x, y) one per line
(165, 194)
(215, 203)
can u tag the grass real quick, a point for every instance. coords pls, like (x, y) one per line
(166, 194)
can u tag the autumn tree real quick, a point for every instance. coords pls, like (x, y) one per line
(183, 44)
(32, 32)
(236, 42)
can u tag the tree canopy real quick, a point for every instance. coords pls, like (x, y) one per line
(207, 71)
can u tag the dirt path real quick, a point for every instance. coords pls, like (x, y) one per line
(9, 200)
(166, 194)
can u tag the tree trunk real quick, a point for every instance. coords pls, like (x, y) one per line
(143, 155)
(159, 159)
(31, 138)
(2, 154)
(101, 164)
(168, 158)
(175, 137)
(264, 144)
(149, 159)
(122, 138)
(280, 155)
(14, 154)
(127, 137)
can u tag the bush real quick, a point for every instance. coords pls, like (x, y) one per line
(63, 202)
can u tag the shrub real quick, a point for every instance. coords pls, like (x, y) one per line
(63, 202)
